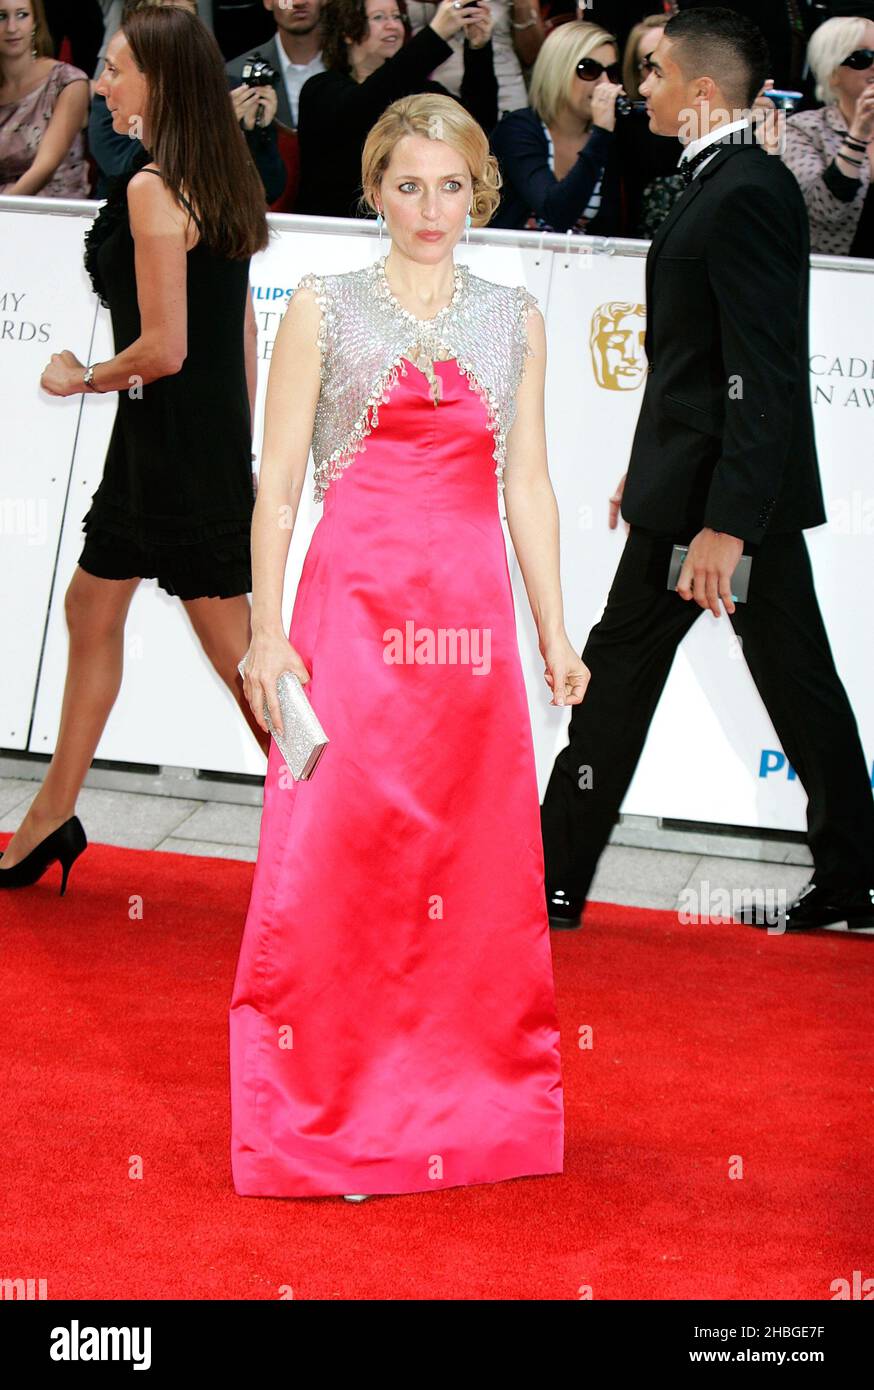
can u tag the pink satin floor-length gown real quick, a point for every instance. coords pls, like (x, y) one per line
(393, 1023)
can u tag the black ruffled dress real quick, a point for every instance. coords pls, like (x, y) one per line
(176, 498)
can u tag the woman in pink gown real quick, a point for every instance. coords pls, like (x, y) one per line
(393, 1025)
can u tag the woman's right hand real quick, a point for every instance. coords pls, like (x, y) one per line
(604, 104)
(565, 673)
(447, 20)
(268, 656)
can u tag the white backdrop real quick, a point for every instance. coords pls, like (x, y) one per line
(712, 753)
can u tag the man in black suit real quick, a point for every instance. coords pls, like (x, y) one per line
(723, 459)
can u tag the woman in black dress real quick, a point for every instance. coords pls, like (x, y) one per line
(169, 253)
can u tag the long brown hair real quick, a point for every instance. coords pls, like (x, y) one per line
(45, 45)
(194, 137)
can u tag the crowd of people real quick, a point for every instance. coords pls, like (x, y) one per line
(555, 84)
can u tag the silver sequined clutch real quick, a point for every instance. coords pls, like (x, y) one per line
(303, 740)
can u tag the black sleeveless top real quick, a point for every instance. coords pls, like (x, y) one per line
(177, 483)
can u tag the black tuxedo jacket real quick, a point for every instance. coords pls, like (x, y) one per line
(725, 435)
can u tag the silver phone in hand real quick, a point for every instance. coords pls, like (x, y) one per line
(740, 580)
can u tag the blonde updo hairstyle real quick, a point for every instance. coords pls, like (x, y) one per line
(437, 117)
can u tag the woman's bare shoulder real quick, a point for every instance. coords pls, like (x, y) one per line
(151, 204)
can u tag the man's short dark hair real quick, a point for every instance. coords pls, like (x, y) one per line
(722, 44)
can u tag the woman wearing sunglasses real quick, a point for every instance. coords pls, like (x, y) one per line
(831, 150)
(557, 155)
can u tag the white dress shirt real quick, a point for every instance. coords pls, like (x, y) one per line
(710, 139)
(294, 75)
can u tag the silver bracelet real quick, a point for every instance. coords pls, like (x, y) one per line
(528, 22)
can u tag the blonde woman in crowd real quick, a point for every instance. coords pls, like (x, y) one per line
(557, 155)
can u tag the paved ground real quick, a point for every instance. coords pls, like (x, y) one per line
(671, 878)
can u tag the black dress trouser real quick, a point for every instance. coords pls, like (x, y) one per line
(629, 653)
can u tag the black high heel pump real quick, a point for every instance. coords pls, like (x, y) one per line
(65, 844)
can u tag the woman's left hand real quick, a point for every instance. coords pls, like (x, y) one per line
(64, 375)
(565, 673)
(477, 24)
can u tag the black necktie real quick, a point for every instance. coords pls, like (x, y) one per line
(686, 168)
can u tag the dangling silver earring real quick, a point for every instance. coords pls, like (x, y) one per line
(379, 223)
(34, 50)
(467, 225)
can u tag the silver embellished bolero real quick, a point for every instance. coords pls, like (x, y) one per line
(365, 333)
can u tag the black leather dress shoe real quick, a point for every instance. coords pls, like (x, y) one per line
(564, 911)
(817, 907)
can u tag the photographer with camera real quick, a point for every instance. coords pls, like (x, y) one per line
(294, 54)
(255, 101)
(255, 104)
(557, 156)
(271, 80)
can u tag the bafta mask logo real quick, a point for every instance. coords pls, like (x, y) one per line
(616, 343)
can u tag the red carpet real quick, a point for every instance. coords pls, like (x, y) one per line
(709, 1042)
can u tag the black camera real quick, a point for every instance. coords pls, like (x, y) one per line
(625, 106)
(257, 72)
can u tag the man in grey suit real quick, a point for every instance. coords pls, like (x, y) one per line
(294, 52)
